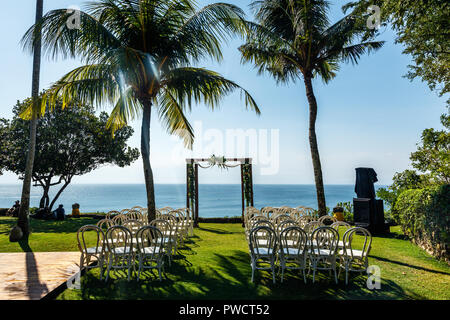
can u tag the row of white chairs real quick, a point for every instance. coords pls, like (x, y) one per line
(120, 240)
(316, 247)
(301, 214)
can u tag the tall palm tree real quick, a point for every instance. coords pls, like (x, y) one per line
(139, 56)
(293, 39)
(26, 187)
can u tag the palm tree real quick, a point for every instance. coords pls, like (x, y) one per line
(293, 39)
(22, 220)
(138, 56)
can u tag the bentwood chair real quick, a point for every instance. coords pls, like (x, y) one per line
(341, 227)
(323, 250)
(119, 242)
(133, 226)
(111, 214)
(263, 256)
(150, 249)
(168, 241)
(105, 224)
(293, 251)
(91, 257)
(119, 219)
(173, 232)
(354, 256)
(327, 220)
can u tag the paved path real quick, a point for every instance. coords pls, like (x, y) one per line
(32, 275)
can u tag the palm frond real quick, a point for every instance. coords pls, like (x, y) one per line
(197, 85)
(172, 116)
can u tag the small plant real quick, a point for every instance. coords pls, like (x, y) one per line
(348, 210)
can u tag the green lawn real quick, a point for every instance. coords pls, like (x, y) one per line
(215, 264)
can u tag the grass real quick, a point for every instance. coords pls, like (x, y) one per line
(214, 264)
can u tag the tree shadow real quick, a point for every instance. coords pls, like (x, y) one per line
(217, 231)
(230, 279)
(34, 287)
(410, 265)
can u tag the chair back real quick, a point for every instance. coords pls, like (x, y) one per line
(327, 220)
(105, 224)
(340, 224)
(363, 244)
(84, 238)
(311, 226)
(111, 214)
(286, 224)
(171, 219)
(262, 241)
(325, 238)
(119, 240)
(293, 241)
(267, 211)
(124, 211)
(119, 219)
(150, 242)
(280, 218)
(162, 225)
(132, 225)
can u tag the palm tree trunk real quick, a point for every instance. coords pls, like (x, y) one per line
(314, 148)
(145, 153)
(26, 188)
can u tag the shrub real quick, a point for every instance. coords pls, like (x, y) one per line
(348, 210)
(424, 215)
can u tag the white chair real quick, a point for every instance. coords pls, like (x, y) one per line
(339, 225)
(293, 250)
(169, 242)
(105, 224)
(173, 232)
(354, 256)
(119, 219)
(111, 214)
(263, 255)
(119, 242)
(322, 253)
(150, 249)
(327, 220)
(133, 226)
(91, 257)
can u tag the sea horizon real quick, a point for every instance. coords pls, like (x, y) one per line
(215, 200)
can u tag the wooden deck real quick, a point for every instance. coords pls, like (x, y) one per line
(32, 275)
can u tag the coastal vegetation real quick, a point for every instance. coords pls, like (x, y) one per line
(295, 41)
(71, 142)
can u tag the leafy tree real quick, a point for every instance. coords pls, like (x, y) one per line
(139, 56)
(422, 27)
(70, 142)
(294, 39)
(431, 160)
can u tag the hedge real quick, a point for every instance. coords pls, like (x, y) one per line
(424, 216)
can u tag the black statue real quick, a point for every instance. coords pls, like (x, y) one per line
(365, 178)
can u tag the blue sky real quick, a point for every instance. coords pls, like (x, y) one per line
(369, 115)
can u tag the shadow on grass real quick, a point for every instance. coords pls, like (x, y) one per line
(230, 279)
(410, 265)
(48, 226)
(217, 231)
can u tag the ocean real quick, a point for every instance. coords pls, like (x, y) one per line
(215, 200)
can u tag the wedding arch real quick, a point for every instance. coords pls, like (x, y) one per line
(192, 166)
